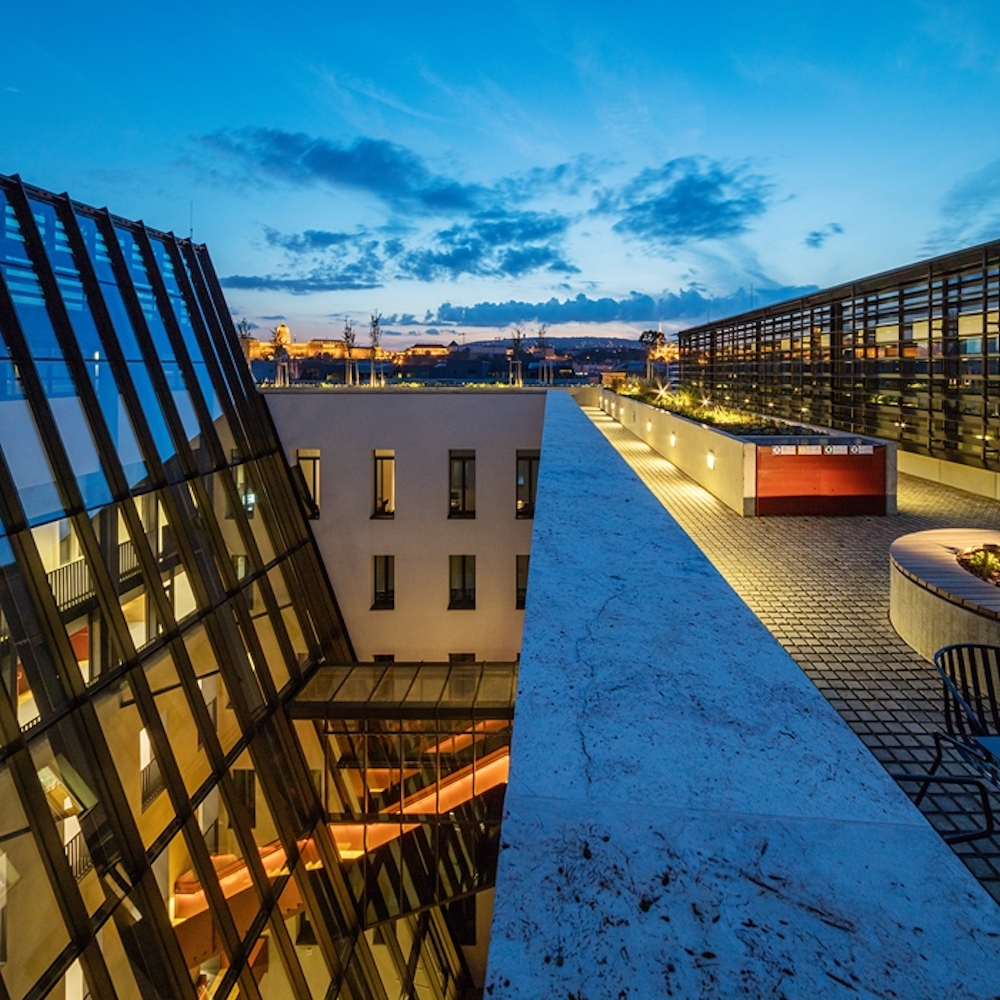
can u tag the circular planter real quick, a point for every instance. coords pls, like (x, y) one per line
(933, 602)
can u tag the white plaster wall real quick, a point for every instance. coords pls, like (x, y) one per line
(421, 426)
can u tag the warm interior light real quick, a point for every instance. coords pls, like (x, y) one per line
(649, 426)
(711, 459)
(673, 440)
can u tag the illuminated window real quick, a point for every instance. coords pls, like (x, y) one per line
(462, 496)
(308, 461)
(385, 483)
(527, 482)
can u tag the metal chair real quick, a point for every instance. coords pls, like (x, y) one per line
(970, 674)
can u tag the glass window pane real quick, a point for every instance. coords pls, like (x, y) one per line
(22, 448)
(213, 686)
(75, 433)
(144, 291)
(81, 318)
(35, 933)
(11, 241)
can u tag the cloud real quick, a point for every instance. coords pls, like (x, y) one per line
(274, 318)
(689, 303)
(317, 280)
(817, 237)
(972, 211)
(568, 178)
(495, 243)
(391, 172)
(311, 240)
(687, 200)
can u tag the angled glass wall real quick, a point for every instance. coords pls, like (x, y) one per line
(161, 603)
(911, 355)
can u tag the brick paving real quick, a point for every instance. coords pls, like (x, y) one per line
(821, 586)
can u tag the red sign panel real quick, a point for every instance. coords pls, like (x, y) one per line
(797, 483)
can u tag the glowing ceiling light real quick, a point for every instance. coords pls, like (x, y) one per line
(711, 459)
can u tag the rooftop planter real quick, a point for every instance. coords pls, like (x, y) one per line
(761, 466)
(935, 598)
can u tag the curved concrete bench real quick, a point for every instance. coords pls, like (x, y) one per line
(933, 602)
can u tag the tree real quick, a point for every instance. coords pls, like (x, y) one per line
(349, 339)
(244, 327)
(517, 343)
(375, 337)
(653, 340)
(542, 343)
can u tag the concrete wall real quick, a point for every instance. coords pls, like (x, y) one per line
(731, 477)
(982, 482)
(420, 426)
(927, 622)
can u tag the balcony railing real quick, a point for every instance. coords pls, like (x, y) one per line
(462, 598)
(151, 783)
(71, 584)
(78, 856)
(385, 600)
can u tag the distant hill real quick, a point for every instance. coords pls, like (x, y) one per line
(563, 343)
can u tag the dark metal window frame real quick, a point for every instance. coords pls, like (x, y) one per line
(462, 571)
(521, 584)
(461, 483)
(526, 482)
(384, 579)
(384, 499)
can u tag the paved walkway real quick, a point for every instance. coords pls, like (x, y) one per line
(821, 586)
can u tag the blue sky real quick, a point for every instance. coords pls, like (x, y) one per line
(576, 163)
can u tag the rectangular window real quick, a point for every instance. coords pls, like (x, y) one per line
(384, 658)
(522, 581)
(463, 583)
(462, 480)
(385, 583)
(308, 460)
(527, 482)
(385, 483)
(461, 657)
(245, 785)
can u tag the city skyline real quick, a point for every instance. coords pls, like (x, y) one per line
(456, 169)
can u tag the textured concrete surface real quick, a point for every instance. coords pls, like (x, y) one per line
(686, 814)
(821, 587)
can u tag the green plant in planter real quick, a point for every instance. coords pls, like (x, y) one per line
(984, 564)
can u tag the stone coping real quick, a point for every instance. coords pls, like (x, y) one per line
(687, 815)
(928, 559)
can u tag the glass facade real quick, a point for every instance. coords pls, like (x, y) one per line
(162, 829)
(911, 355)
